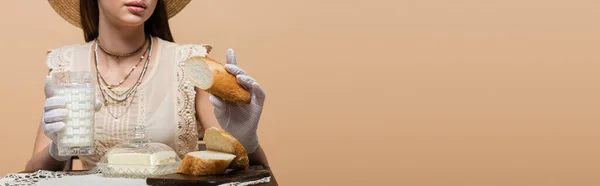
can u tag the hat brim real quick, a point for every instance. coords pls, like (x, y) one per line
(69, 9)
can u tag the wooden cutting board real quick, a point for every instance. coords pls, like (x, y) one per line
(250, 174)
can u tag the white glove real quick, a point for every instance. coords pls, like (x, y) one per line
(55, 113)
(241, 120)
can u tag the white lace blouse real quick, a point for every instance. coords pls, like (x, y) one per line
(164, 102)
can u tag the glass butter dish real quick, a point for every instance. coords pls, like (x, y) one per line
(140, 158)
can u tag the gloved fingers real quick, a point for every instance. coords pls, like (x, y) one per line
(54, 153)
(219, 104)
(98, 105)
(258, 94)
(246, 81)
(234, 69)
(54, 103)
(55, 115)
(51, 128)
(48, 87)
(230, 57)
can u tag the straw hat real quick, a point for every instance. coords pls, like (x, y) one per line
(69, 9)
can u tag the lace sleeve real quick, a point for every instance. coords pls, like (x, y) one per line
(189, 128)
(59, 59)
(189, 50)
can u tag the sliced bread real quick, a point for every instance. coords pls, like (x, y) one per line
(211, 76)
(220, 140)
(200, 163)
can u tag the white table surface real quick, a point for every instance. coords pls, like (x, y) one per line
(97, 180)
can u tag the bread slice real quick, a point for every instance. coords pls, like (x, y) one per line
(200, 163)
(220, 140)
(198, 73)
(211, 76)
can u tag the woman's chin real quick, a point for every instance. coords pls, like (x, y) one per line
(132, 20)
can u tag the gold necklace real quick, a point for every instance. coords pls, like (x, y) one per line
(127, 106)
(128, 74)
(125, 95)
(133, 90)
(120, 54)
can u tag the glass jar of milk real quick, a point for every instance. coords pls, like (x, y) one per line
(79, 90)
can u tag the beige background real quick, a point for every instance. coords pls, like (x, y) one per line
(426, 92)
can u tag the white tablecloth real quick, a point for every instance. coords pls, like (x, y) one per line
(92, 180)
(49, 178)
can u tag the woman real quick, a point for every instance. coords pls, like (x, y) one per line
(130, 48)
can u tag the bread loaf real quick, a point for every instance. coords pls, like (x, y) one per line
(211, 76)
(223, 151)
(220, 140)
(205, 163)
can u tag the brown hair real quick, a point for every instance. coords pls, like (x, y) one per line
(157, 25)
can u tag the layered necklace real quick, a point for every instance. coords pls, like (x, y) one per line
(108, 94)
(120, 54)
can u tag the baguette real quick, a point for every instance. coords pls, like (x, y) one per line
(211, 76)
(220, 140)
(223, 152)
(201, 163)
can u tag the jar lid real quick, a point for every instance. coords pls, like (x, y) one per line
(139, 158)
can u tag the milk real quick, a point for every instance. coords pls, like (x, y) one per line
(77, 137)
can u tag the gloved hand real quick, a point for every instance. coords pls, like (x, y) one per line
(241, 120)
(55, 114)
